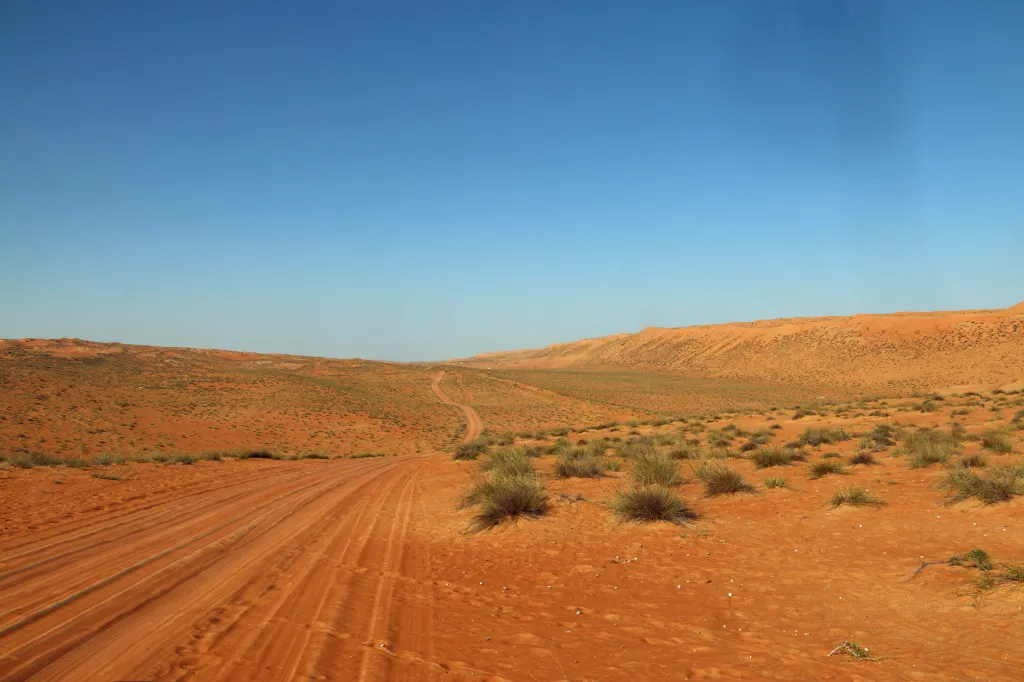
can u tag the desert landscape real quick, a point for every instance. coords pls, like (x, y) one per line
(822, 498)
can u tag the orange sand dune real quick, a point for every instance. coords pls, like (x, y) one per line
(896, 352)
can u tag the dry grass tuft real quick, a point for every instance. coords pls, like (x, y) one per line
(652, 503)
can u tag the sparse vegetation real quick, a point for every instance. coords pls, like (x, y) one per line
(928, 446)
(1001, 483)
(819, 436)
(996, 441)
(470, 450)
(505, 498)
(652, 503)
(975, 558)
(579, 463)
(880, 438)
(854, 497)
(775, 482)
(863, 458)
(974, 460)
(508, 461)
(655, 468)
(773, 457)
(718, 479)
(826, 467)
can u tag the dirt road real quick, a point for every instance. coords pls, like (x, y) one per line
(474, 425)
(267, 571)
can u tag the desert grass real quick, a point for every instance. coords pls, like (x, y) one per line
(719, 479)
(1000, 484)
(863, 458)
(505, 498)
(975, 558)
(825, 468)
(774, 457)
(470, 450)
(775, 482)
(579, 463)
(973, 461)
(880, 438)
(815, 436)
(929, 446)
(652, 503)
(655, 468)
(996, 441)
(854, 497)
(508, 461)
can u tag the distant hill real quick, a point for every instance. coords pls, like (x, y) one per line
(897, 352)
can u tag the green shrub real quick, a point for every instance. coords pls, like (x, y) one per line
(975, 558)
(879, 438)
(775, 482)
(653, 503)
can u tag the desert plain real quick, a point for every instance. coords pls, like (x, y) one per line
(832, 498)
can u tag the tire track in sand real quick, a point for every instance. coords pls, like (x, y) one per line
(474, 425)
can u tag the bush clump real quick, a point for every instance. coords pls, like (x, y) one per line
(775, 482)
(505, 498)
(508, 461)
(817, 436)
(996, 442)
(1001, 484)
(975, 558)
(863, 458)
(579, 463)
(655, 468)
(929, 446)
(718, 479)
(826, 467)
(652, 503)
(854, 497)
(470, 450)
(774, 457)
(879, 438)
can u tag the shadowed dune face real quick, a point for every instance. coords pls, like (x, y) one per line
(892, 353)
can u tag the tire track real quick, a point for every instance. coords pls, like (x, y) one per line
(474, 425)
(43, 648)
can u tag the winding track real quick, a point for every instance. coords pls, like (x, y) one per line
(298, 571)
(474, 425)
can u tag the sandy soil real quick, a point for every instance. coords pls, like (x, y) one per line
(900, 353)
(474, 426)
(361, 570)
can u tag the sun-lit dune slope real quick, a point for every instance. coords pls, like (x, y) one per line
(897, 352)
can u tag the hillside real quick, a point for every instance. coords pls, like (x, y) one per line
(71, 397)
(893, 353)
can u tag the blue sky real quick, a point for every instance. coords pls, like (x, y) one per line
(426, 180)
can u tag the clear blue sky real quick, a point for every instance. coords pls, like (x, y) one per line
(425, 180)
